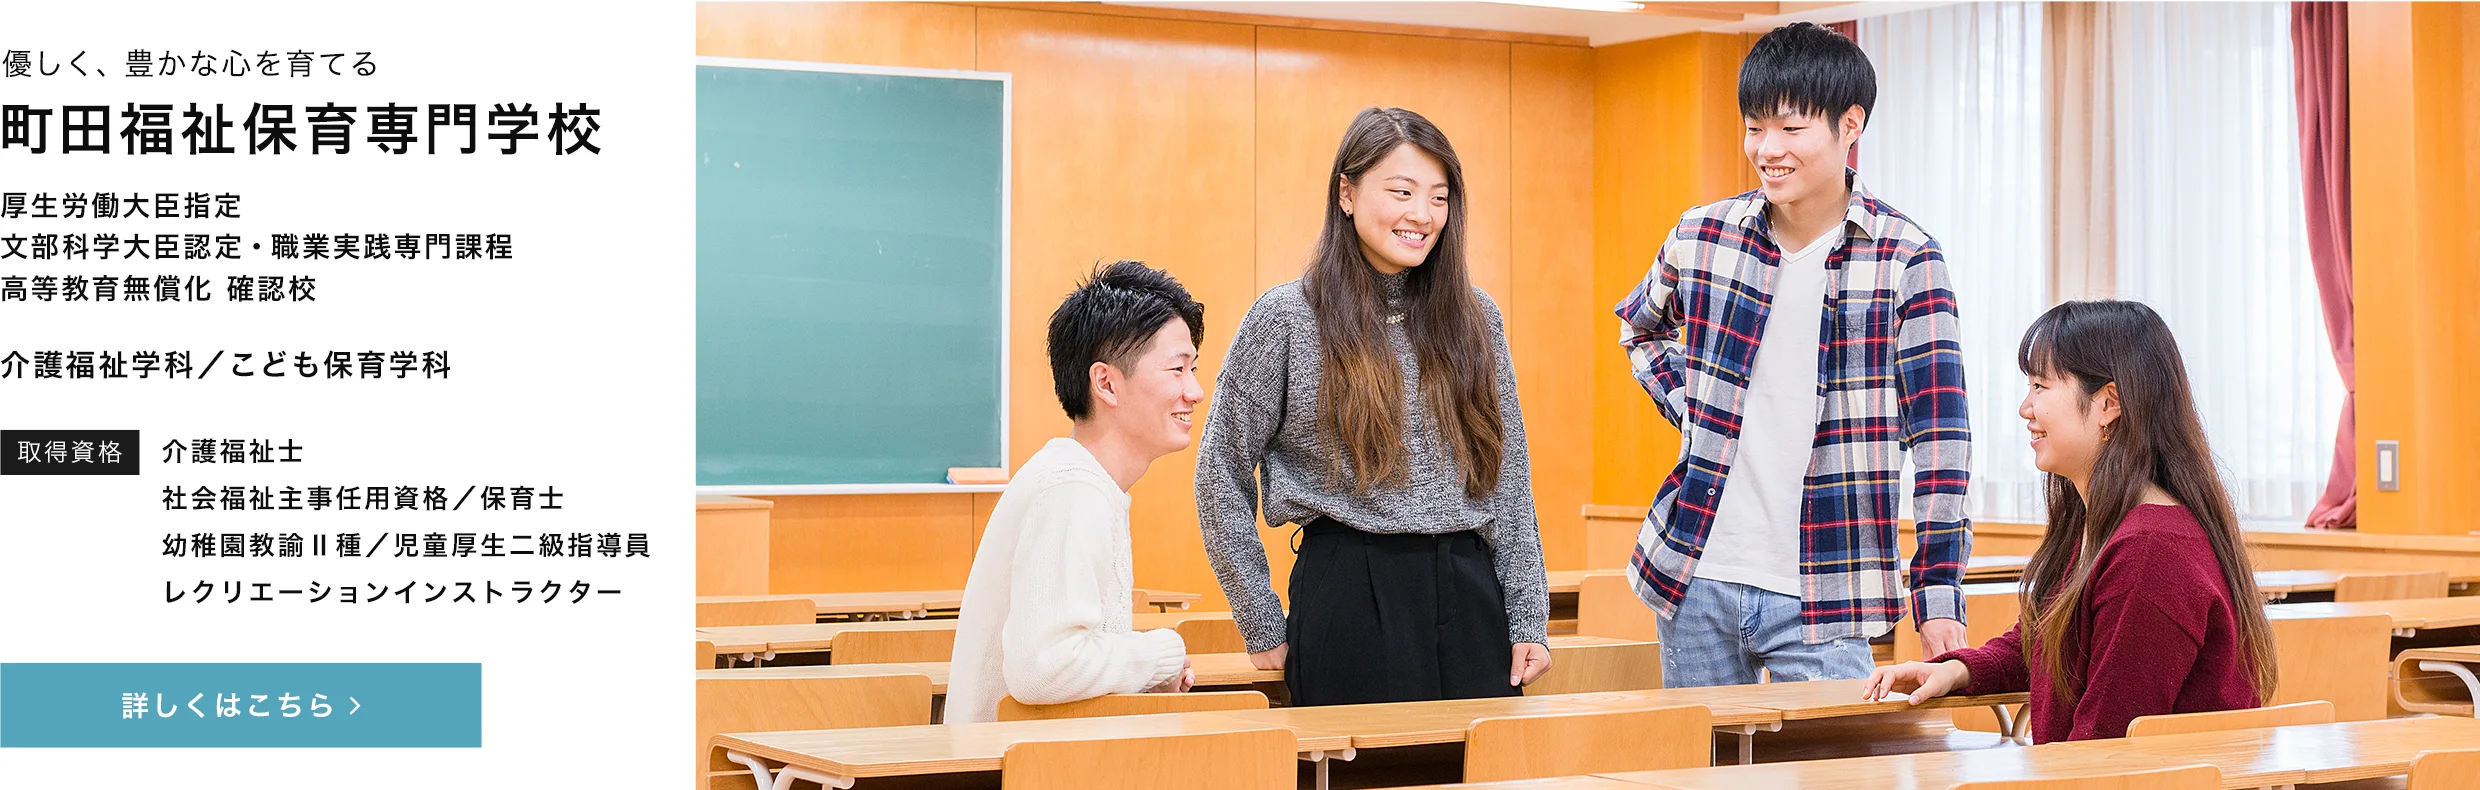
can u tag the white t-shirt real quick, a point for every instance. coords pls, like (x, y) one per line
(1755, 538)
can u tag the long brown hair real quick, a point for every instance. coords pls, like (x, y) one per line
(2158, 439)
(1360, 399)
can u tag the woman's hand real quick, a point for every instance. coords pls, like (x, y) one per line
(1531, 660)
(1271, 659)
(1918, 680)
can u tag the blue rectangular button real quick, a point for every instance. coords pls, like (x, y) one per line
(244, 705)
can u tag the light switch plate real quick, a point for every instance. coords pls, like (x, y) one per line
(2389, 465)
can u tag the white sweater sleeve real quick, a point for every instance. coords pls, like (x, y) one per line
(1055, 646)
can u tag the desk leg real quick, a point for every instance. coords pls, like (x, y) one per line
(2457, 669)
(1320, 756)
(2008, 722)
(1748, 738)
(785, 777)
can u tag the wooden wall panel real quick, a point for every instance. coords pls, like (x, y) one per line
(1550, 291)
(917, 35)
(982, 505)
(1309, 85)
(732, 545)
(1133, 140)
(1665, 139)
(2415, 179)
(870, 543)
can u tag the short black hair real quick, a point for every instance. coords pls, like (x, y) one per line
(1108, 318)
(1807, 69)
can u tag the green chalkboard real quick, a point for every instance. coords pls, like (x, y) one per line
(851, 273)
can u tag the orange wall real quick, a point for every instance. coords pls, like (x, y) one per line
(1665, 139)
(1199, 144)
(2415, 183)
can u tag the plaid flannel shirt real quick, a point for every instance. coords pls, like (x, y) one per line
(1890, 380)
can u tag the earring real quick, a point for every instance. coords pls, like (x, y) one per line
(2105, 434)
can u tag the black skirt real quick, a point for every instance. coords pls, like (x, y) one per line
(1395, 618)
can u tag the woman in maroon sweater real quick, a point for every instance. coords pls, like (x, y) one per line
(2140, 600)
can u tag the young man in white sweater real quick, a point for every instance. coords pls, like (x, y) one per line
(1046, 609)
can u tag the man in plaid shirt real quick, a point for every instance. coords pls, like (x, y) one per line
(1772, 544)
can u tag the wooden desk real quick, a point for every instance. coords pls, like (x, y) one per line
(2276, 584)
(2441, 680)
(908, 604)
(2274, 546)
(1743, 710)
(1230, 669)
(1999, 567)
(917, 603)
(758, 642)
(1166, 600)
(765, 641)
(1981, 568)
(1553, 783)
(1923, 771)
(2247, 758)
(2410, 614)
(731, 640)
(2315, 753)
(836, 757)
(1149, 622)
(1994, 567)
(1213, 669)
(936, 671)
(1830, 699)
(762, 642)
(1823, 699)
(1391, 724)
(2273, 584)
(1569, 582)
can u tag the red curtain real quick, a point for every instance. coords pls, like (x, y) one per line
(1851, 30)
(2321, 62)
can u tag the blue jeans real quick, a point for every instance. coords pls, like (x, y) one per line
(1722, 633)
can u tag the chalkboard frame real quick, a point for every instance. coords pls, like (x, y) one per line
(1007, 189)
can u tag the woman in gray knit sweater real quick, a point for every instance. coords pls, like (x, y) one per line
(1375, 401)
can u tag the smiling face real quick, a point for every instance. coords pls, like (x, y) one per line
(1800, 155)
(2066, 425)
(1399, 208)
(1153, 402)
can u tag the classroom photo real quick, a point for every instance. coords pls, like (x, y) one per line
(1592, 394)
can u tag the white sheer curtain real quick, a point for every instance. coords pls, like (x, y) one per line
(2210, 235)
(1956, 144)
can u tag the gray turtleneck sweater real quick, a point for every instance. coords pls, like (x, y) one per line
(1264, 421)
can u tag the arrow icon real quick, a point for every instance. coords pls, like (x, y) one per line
(357, 705)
